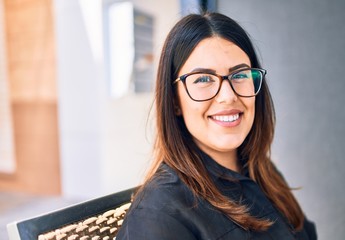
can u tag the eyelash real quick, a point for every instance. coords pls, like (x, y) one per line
(201, 78)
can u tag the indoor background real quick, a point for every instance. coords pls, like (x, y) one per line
(75, 97)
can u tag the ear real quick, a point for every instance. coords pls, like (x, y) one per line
(176, 102)
(177, 110)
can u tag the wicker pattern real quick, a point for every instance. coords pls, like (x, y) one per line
(102, 227)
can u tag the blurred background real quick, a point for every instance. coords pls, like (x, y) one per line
(76, 80)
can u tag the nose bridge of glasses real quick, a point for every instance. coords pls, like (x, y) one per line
(226, 78)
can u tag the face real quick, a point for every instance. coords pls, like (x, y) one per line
(220, 125)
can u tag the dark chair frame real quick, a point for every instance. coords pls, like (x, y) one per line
(30, 229)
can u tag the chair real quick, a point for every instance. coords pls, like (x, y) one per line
(97, 219)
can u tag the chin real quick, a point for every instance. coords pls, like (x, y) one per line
(226, 146)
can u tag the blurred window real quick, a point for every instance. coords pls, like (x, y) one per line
(129, 49)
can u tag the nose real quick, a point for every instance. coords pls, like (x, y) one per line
(226, 94)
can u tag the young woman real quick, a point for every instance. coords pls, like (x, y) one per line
(212, 176)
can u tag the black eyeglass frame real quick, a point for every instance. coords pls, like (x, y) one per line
(221, 78)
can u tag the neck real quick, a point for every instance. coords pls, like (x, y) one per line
(231, 162)
(226, 159)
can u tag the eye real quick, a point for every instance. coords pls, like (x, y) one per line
(204, 79)
(240, 76)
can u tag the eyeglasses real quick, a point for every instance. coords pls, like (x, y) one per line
(203, 86)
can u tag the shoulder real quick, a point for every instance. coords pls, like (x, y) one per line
(157, 211)
(310, 229)
(165, 191)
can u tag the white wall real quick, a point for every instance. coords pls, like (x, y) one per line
(81, 100)
(7, 159)
(129, 134)
(302, 46)
(104, 142)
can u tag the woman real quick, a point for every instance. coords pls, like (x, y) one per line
(212, 176)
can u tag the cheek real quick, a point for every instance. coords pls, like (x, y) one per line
(191, 111)
(249, 104)
(249, 113)
(185, 103)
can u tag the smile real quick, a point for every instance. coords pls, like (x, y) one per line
(226, 118)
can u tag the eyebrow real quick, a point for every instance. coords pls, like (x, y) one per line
(205, 70)
(239, 66)
(208, 70)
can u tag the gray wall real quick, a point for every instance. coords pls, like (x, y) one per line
(302, 45)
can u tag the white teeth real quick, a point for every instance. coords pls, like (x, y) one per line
(229, 118)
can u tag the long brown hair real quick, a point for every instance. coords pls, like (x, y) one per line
(174, 144)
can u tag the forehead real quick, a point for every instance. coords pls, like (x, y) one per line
(215, 53)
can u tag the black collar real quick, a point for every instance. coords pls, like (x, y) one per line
(218, 171)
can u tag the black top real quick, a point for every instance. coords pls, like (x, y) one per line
(166, 209)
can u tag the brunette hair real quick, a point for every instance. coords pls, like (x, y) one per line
(174, 144)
